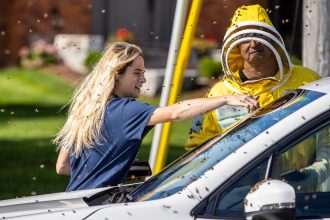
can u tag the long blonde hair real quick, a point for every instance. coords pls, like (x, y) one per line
(86, 112)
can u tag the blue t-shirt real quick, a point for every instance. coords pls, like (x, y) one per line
(108, 162)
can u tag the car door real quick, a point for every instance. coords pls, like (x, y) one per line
(307, 149)
(305, 165)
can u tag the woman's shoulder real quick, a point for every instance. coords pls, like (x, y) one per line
(120, 101)
(127, 103)
(127, 108)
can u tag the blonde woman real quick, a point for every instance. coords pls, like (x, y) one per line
(106, 125)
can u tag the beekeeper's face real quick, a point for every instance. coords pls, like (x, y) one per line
(255, 52)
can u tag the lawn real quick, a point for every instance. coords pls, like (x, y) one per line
(31, 112)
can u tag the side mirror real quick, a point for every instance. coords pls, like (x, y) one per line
(138, 170)
(270, 199)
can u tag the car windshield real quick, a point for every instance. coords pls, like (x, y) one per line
(192, 165)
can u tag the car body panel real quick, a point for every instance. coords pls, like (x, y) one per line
(321, 85)
(80, 213)
(51, 197)
(45, 203)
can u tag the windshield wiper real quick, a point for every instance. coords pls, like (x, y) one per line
(117, 194)
(121, 196)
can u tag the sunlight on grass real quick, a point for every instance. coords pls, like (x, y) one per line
(24, 86)
(30, 116)
(30, 128)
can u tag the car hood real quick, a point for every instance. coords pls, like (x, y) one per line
(45, 203)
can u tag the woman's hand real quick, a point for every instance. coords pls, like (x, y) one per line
(248, 101)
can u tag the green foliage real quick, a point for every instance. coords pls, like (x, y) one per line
(209, 67)
(204, 45)
(295, 60)
(38, 54)
(92, 58)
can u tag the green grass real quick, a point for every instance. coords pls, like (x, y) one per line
(31, 113)
(30, 116)
(24, 86)
(28, 166)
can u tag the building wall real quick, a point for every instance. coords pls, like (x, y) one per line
(24, 20)
(4, 52)
(216, 14)
(150, 20)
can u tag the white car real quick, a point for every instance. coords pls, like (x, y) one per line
(287, 140)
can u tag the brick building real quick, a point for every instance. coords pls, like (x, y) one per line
(21, 21)
(150, 20)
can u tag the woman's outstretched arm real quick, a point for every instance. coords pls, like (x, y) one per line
(191, 108)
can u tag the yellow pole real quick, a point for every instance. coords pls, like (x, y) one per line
(183, 58)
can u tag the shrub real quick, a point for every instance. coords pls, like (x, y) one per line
(92, 58)
(204, 44)
(209, 67)
(295, 60)
(40, 53)
(123, 34)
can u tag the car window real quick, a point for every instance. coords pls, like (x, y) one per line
(192, 165)
(306, 166)
(231, 203)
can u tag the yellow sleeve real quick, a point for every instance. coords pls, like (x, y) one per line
(202, 128)
(303, 75)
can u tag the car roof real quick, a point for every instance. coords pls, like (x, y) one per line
(321, 85)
